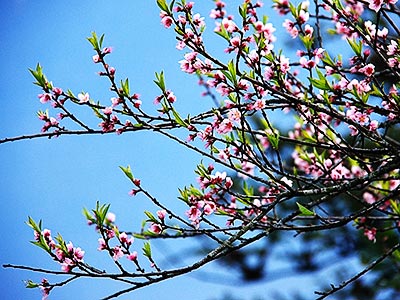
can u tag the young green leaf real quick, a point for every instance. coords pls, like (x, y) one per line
(127, 172)
(304, 210)
(147, 249)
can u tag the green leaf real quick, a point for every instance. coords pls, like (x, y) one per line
(139, 236)
(93, 40)
(31, 223)
(151, 216)
(232, 71)
(160, 81)
(88, 215)
(125, 87)
(223, 33)
(320, 83)
(243, 11)
(304, 211)
(31, 285)
(42, 244)
(100, 212)
(356, 46)
(178, 118)
(162, 4)
(39, 76)
(274, 140)
(127, 172)
(147, 249)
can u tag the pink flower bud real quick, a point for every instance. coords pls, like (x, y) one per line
(96, 58)
(161, 214)
(132, 256)
(106, 50)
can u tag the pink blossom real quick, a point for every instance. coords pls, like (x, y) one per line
(373, 125)
(110, 217)
(307, 64)
(43, 98)
(107, 111)
(106, 50)
(161, 214)
(370, 234)
(171, 98)
(225, 126)
(57, 91)
(393, 48)
(123, 237)
(353, 130)
(228, 182)
(369, 198)
(290, 27)
(308, 30)
(96, 58)
(155, 228)
(303, 17)
(235, 42)
(259, 104)
(83, 97)
(111, 70)
(282, 6)
(208, 207)
(268, 73)
(198, 20)
(193, 213)
(235, 114)
(367, 70)
(117, 253)
(53, 121)
(224, 154)
(78, 254)
(253, 56)
(102, 244)
(284, 64)
(167, 21)
(110, 233)
(67, 265)
(375, 4)
(248, 168)
(229, 25)
(115, 101)
(132, 256)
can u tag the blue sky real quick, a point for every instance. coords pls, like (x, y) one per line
(54, 179)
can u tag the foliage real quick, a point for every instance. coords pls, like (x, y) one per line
(331, 180)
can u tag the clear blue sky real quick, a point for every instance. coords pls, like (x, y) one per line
(53, 180)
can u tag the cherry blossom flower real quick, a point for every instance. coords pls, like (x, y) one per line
(291, 28)
(45, 97)
(166, 20)
(132, 256)
(110, 217)
(370, 234)
(155, 228)
(161, 214)
(123, 237)
(106, 50)
(117, 253)
(83, 98)
(229, 25)
(78, 254)
(198, 20)
(102, 244)
(107, 111)
(193, 213)
(57, 91)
